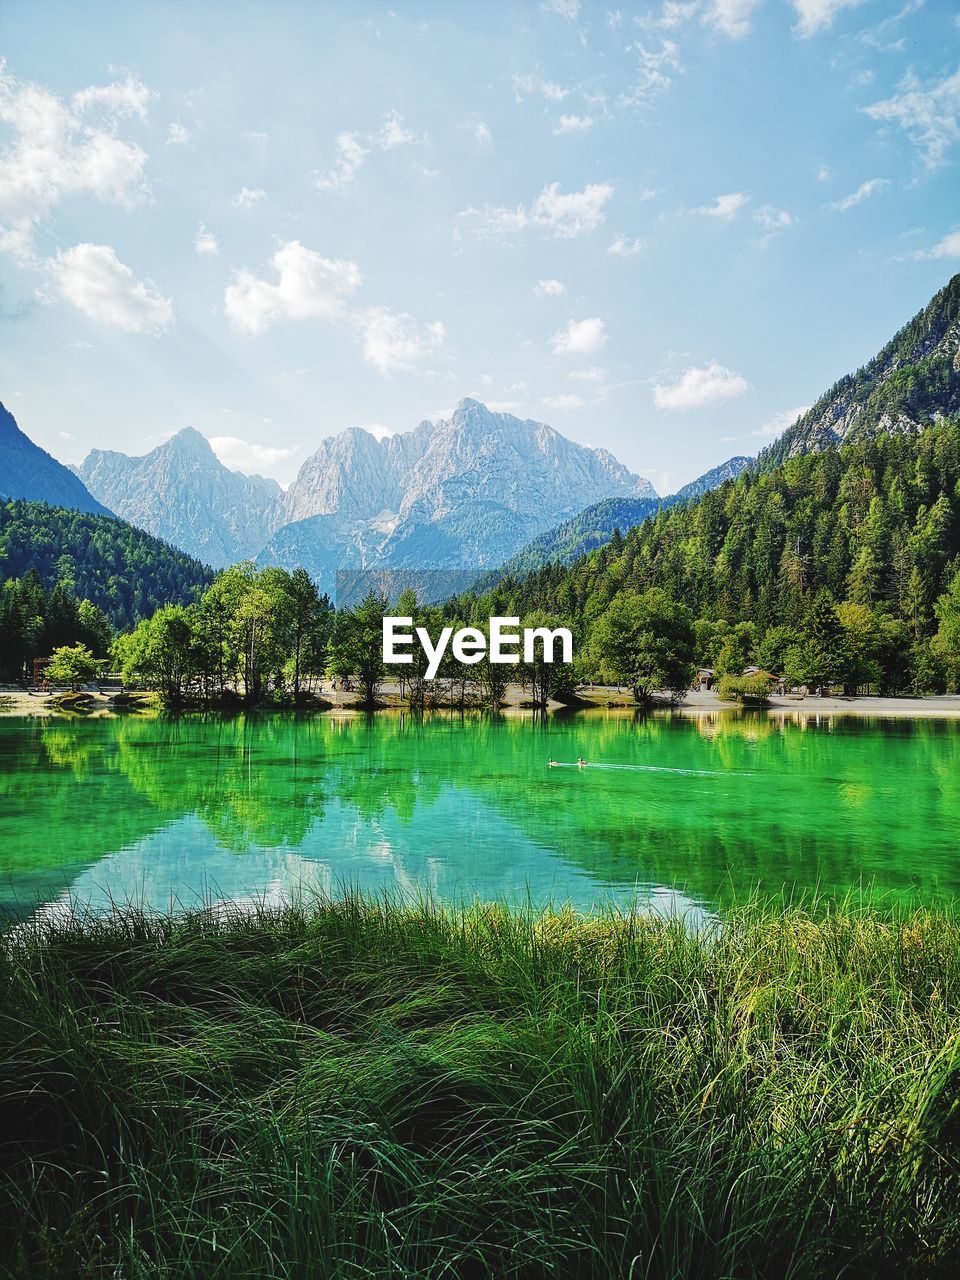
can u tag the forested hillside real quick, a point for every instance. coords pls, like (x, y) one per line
(912, 382)
(122, 570)
(857, 548)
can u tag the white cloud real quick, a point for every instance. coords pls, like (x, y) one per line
(177, 134)
(572, 214)
(394, 341)
(724, 207)
(249, 197)
(394, 133)
(58, 149)
(561, 215)
(697, 387)
(948, 247)
(730, 17)
(526, 84)
(815, 15)
(205, 242)
(119, 100)
(623, 247)
(378, 430)
(780, 421)
(350, 154)
(352, 149)
(772, 220)
(673, 14)
(863, 192)
(929, 116)
(565, 8)
(249, 457)
(564, 402)
(593, 373)
(91, 278)
(549, 289)
(580, 337)
(482, 134)
(307, 286)
(655, 68)
(574, 124)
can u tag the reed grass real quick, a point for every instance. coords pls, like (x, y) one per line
(363, 1089)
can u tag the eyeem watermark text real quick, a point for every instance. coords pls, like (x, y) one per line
(470, 645)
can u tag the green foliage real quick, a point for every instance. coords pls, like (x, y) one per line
(764, 563)
(254, 633)
(74, 665)
(752, 689)
(359, 1089)
(358, 646)
(125, 572)
(645, 641)
(34, 621)
(946, 642)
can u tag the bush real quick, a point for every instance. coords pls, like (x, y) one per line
(753, 689)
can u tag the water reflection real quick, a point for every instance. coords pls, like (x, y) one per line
(675, 811)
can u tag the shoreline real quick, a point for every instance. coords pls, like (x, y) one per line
(18, 703)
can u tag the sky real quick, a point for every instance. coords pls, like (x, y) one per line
(664, 228)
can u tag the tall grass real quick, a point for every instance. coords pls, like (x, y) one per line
(358, 1089)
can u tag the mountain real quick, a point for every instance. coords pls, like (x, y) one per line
(123, 570)
(460, 494)
(913, 382)
(712, 479)
(594, 526)
(27, 471)
(182, 493)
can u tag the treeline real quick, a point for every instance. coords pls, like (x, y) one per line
(268, 636)
(123, 571)
(836, 568)
(253, 634)
(34, 622)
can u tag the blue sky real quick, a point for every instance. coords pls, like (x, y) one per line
(663, 228)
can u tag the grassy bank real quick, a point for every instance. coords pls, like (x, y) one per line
(358, 1090)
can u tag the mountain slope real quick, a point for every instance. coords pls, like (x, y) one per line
(913, 381)
(594, 526)
(182, 493)
(712, 479)
(123, 570)
(27, 471)
(460, 494)
(873, 526)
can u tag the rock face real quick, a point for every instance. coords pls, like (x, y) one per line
(911, 383)
(27, 471)
(182, 493)
(713, 479)
(463, 493)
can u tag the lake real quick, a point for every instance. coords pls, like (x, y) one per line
(672, 811)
